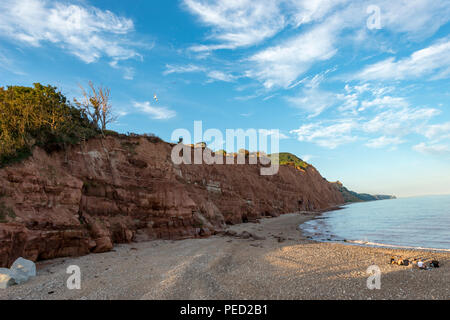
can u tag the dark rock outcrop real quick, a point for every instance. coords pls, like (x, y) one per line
(352, 196)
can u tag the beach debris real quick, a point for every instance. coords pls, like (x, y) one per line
(6, 278)
(280, 238)
(20, 272)
(434, 264)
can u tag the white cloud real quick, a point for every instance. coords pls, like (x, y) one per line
(213, 75)
(350, 102)
(281, 65)
(330, 136)
(237, 23)
(433, 60)
(392, 125)
(128, 72)
(433, 149)
(438, 131)
(400, 122)
(384, 102)
(313, 101)
(418, 18)
(384, 141)
(306, 11)
(84, 31)
(158, 113)
(220, 76)
(374, 90)
(182, 69)
(318, 34)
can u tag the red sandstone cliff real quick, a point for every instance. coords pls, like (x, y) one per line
(127, 189)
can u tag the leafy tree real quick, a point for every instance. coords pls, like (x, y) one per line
(38, 115)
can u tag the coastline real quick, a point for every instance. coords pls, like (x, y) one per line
(317, 231)
(277, 262)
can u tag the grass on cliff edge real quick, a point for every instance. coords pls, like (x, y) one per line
(287, 158)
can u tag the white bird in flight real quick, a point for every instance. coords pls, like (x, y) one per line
(155, 97)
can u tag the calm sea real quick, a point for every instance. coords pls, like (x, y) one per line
(421, 222)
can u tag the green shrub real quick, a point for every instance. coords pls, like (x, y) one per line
(38, 115)
(111, 133)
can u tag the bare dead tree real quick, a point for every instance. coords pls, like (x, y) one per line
(96, 104)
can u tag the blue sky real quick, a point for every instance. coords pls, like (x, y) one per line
(367, 104)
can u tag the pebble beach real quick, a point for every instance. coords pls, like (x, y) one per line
(271, 259)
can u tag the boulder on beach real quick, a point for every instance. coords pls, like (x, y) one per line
(23, 269)
(20, 271)
(6, 278)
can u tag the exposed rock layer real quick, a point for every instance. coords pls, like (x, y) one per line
(117, 190)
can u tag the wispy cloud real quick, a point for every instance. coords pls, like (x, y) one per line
(396, 121)
(384, 102)
(318, 34)
(157, 113)
(328, 136)
(213, 75)
(313, 101)
(216, 75)
(384, 141)
(281, 65)
(183, 69)
(417, 19)
(438, 131)
(9, 64)
(84, 31)
(236, 23)
(400, 122)
(433, 60)
(433, 149)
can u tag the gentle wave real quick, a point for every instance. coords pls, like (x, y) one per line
(411, 223)
(384, 245)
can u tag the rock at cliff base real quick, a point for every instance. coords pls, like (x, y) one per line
(6, 278)
(22, 270)
(257, 237)
(245, 235)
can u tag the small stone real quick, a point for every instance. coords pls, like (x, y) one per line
(245, 235)
(281, 239)
(257, 237)
(231, 233)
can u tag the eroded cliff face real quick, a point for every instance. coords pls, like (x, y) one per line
(116, 190)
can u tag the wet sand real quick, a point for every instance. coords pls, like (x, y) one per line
(281, 264)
